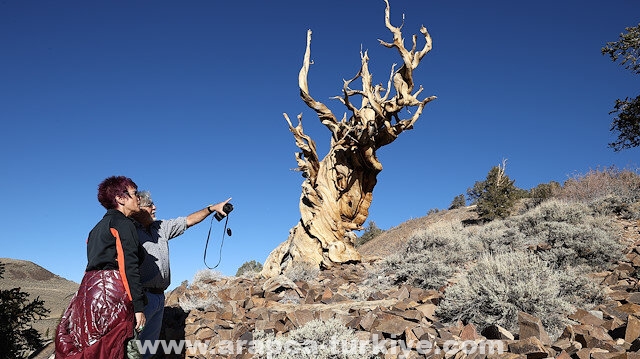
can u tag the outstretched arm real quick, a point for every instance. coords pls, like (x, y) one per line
(199, 216)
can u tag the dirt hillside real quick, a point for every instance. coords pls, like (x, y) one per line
(392, 239)
(55, 291)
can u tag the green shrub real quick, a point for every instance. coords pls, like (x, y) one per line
(249, 268)
(458, 202)
(371, 232)
(499, 286)
(17, 337)
(316, 339)
(496, 196)
(544, 190)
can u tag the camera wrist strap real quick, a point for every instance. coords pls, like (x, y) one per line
(225, 231)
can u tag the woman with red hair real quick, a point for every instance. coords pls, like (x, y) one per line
(109, 304)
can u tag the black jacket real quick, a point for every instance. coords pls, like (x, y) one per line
(113, 244)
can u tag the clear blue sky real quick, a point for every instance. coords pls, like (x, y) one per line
(186, 98)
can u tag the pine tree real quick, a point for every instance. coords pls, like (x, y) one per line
(370, 233)
(17, 336)
(458, 202)
(249, 267)
(496, 196)
(626, 51)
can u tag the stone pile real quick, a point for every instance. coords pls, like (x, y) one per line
(233, 308)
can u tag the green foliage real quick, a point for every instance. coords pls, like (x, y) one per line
(250, 267)
(499, 286)
(371, 232)
(496, 196)
(627, 122)
(458, 202)
(626, 49)
(316, 339)
(544, 190)
(17, 337)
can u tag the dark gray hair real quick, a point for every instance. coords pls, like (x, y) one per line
(145, 198)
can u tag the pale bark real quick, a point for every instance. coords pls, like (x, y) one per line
(338, 190)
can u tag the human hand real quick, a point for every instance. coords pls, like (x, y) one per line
(219, 207)
(141, 320)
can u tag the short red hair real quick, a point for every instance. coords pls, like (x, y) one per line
(112, 187)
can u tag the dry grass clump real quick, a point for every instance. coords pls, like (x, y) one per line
(317, 340)
(501, 285)
(203, 291)
(302, 271)
(376, 279)
(623, 183)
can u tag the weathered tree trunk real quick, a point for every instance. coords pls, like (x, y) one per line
(338, 190)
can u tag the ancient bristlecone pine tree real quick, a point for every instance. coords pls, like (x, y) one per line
(337, 191)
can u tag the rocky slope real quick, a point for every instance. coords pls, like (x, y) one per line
(229, 310)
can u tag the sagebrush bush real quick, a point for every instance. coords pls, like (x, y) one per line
(203, 291)
(578, 289)
(422, 271)
(432, 255)
(376, 279)
(614, 205)
(317, 339)
(206, 275)
(302, 271)
(573, 234)
(501, 285)
(501, 236)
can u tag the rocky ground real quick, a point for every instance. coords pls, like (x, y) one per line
(401, 316)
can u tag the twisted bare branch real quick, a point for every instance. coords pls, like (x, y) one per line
(326, 116)
(310, 163)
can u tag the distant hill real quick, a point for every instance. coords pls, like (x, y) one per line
(55, 291)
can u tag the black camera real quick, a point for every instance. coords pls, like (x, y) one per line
(228, 207)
